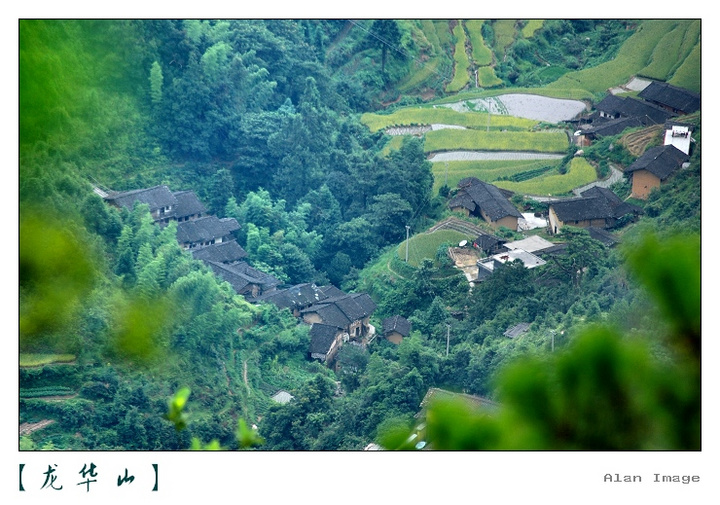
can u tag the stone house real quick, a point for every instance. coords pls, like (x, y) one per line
(480, 199)
(325, 342)
(350, 313)
(671, 98)
(228, 252)
(598, 207)
(244, 279)
(159, 199)
(165, 205)
(655, 167)
(206, 231)
(396, 328)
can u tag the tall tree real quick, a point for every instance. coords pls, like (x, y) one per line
(386, 36)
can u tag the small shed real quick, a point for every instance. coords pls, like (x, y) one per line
(517, 330)
(282, 397)
(654, 167)
(325, 341)
(396, 328)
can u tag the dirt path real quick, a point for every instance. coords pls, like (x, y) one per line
(615, 176)
(28, 428)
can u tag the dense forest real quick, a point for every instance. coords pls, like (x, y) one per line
(127, 342)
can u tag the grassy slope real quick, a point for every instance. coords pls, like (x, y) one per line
(425, 245)
(634, 56)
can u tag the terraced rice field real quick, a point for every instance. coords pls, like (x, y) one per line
(537, 107)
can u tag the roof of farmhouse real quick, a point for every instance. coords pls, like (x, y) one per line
(157, 197)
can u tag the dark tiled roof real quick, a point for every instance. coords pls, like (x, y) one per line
(486, 197)
(468, 181)
(330, 314)
(188, 204)
(617, 206)
(331, 291)
(487, 242)
(611, 105)
(366, 303)
(661, 161)
(613, 126)
(463, 200)
(205, 229)
(322, 337)
(342, 310)
(223, 252)
(299, 296)
(156, 197)
(595, 203)
(397, 324)
(650, 114)
(676, 98)
(604, 236)
(241, 275)
(646, 112)
(517, 330)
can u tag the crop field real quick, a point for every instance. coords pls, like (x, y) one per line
(504, 33)
(430, 69)
(531, 27)
(487, 77)
(634, 56)
(475, 140)
(460, 76)
(553, 183)
(27, 360)
(487, 171)
(425, 245)
(443, 115)
(481, 53)
(686, 76)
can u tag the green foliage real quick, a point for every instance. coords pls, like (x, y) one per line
(257, 117)
(29, 359)
(56, 275)
(176, 409)
(605, 391)
(156, 82)
(531, 26)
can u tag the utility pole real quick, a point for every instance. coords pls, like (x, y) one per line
(407, 242)
(552, 340)
(447, 346)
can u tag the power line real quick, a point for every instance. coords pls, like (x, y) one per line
(398, 49)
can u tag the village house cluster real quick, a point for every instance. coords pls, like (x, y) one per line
(335, 318)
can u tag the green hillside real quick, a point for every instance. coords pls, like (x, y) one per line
(129, 341)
